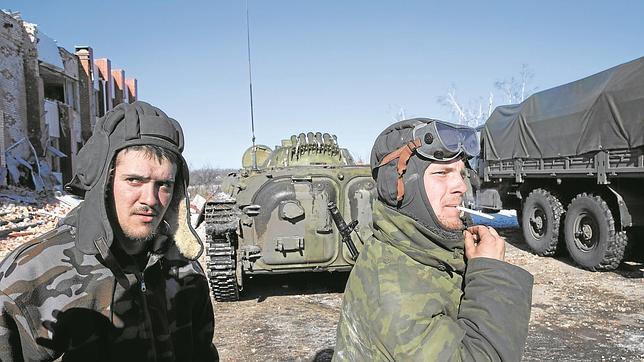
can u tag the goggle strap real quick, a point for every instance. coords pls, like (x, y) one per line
(402, 154)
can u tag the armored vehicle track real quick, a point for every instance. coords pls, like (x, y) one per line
(222, 217)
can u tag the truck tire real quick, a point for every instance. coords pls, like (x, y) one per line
(591, 238)
(540, 221)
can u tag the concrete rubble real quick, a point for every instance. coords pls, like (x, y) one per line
(25, 214)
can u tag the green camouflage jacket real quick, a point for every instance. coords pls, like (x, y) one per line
(61, 301)
(409, 298)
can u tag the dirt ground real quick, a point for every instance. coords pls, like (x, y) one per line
(576, 315)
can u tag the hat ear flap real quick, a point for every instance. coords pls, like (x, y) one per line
(178, 218)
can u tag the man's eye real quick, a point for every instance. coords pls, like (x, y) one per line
(166, 185)
(133, 180)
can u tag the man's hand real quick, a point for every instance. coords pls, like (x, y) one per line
(483, 241)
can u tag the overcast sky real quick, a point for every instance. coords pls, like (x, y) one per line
(343, 67)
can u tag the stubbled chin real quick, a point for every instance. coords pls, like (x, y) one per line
(140, 233)
(452, 224)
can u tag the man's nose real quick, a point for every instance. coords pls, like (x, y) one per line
(149, 194)
(459, 185)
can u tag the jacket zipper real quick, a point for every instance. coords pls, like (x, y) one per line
(146, 313)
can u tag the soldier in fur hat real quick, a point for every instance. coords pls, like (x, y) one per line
(118, 279)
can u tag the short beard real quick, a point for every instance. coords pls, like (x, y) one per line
(452, 226)
(140, 240)
(135, 244)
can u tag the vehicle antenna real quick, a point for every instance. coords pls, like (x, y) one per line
(250, 84)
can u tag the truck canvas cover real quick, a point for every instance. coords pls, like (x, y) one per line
(602, 112)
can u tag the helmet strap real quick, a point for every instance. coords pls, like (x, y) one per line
(402, 154)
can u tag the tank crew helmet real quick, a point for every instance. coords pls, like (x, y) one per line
(126, 125)
(432, 140)
(402, 152)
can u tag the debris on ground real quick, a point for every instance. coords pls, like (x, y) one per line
(577, 315)
(25, 214)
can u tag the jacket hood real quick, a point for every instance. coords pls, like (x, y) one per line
(126, 125)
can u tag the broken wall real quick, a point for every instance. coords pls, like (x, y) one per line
(36, 75)
(105, 85)
(13, 99)
(33, 86)
(88, 84)
(132, 89)
(120, 90)
(69, 112)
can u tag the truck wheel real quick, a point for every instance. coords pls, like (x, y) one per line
(540, 220)
(590, 234)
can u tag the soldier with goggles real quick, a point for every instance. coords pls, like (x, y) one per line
(425, 287)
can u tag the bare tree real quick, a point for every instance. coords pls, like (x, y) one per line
(397, 112)
(517, 90)
(401, 114)
(514, 89)
(471, 115)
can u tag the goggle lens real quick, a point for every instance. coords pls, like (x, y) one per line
(455, 138)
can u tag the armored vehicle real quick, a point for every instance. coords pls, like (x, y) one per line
(276, 214)
(571, 161)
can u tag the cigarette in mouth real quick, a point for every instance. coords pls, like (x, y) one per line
(478, 213)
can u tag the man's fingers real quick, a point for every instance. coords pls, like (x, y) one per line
(494, 232)
(481, 231)
(483, 241)
(475, 229)
(469, 240)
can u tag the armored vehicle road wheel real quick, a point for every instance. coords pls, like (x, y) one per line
(540, 222)
(590, 234)
(222, 218)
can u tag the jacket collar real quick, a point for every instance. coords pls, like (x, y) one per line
(426, 246)
(161, 250)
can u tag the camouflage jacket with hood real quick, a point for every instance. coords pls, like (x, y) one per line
(74, 293)
(412, 296)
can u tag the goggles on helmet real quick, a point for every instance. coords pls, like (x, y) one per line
(435, 140)
(442, 141)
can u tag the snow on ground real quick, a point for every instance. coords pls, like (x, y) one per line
(504, 219)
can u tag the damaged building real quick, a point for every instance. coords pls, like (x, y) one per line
(50, 99)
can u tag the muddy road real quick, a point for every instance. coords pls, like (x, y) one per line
(576, 315)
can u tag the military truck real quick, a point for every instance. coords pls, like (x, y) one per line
(571, 161)
(274, 215)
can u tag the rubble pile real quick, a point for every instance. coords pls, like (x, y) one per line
(25, 214)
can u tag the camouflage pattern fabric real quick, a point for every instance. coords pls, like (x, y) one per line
(411, 297)
(56, 302)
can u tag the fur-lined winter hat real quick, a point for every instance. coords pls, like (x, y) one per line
(127, 125)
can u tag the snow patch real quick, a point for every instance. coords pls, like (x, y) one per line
(503, 219)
